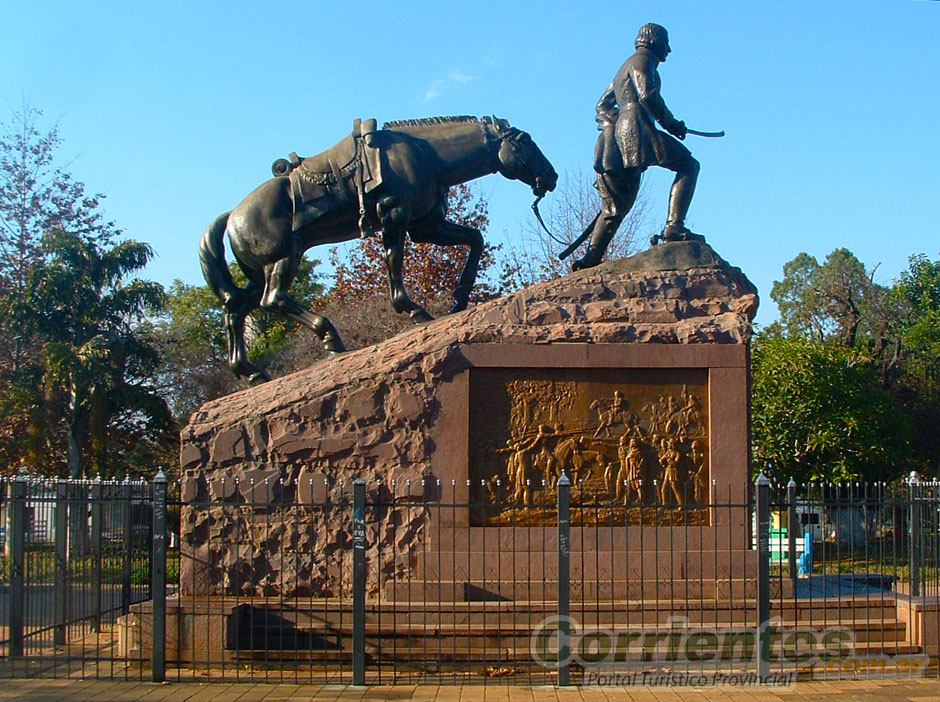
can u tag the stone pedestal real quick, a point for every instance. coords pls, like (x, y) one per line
(653, 346)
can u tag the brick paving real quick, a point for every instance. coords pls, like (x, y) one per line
(80, 690)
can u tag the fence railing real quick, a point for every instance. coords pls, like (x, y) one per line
(387, 582)
(76, 556)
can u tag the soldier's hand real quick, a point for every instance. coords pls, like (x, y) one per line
(679, 130)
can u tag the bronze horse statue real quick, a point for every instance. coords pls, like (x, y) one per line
(394, 180)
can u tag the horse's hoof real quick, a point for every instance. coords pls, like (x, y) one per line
(420, 316)
(335, 346)
(259, 378)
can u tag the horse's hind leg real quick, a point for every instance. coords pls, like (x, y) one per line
(278, 277)
(394, 217)
(236, 311)
(453, 234)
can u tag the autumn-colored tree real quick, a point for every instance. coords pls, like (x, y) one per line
(430, 271)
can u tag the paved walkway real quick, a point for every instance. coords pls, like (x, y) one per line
(917, 690)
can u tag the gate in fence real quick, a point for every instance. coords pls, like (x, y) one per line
(388, 582)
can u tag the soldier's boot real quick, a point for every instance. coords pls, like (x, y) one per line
(604, 231)
(680, 197)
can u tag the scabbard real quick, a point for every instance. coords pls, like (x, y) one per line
(572, 247)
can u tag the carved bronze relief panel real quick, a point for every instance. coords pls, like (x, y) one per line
(634, 443)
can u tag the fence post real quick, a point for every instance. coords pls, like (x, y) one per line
(97, 498)
(17, 539)
(126, 490)
(915, 533)
(61, 561)
(564, 580)
(158, 575)
(763, 576)
(359, 582)
(794, 528)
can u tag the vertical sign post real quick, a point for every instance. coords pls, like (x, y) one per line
(159, 577)
(564, 580)
(359, 582)
(763, 576)
(61, 561)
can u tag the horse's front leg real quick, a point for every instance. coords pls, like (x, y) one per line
(394, 219)
(453, 234)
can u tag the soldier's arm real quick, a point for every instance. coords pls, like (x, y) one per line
(647, 87)
(607, 110)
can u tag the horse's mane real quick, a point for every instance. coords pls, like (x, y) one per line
(425, 121)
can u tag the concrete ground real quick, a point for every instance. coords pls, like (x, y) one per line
(78, 690)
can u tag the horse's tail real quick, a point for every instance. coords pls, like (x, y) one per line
(214, 268)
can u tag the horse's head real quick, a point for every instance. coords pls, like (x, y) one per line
(521, 159)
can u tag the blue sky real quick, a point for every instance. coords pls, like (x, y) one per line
(176, 110)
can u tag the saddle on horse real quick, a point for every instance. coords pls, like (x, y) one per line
(328, 181)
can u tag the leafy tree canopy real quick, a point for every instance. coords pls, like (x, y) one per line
(75, 391)
(820, 414)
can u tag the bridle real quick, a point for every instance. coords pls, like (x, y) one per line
(501, 134)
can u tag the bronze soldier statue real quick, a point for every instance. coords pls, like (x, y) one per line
(629, 143)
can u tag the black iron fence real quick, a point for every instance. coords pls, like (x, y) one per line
(76, 555)
(419, 581)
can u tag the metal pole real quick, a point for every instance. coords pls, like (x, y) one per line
(159, 577)
(17, 539)
(61, 561)
(359, 582)
(126, 490)
(793, 529)
(97, 497)
(915, 534)
(763, 576)
(564, 580)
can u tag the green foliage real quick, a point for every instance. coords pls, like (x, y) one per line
(919, 289)
(891, 333)
(820, 414)
(74, 372)
(834, 302)
(267, 333)
(83, 306)
(191, 337)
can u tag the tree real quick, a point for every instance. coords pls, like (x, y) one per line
(918, 289)
(820, 414)
(36, 196)
(838, 302)
(917, 387)
(190, 336)
(430, 272)
(73, 395)
(568, 212)
(82, 305)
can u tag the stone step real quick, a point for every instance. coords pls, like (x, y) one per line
(630, 539)
(633, 612)
(481, 652)
(601, 565)
(547, 589)
(515, 633)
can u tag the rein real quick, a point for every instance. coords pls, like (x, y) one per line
(538, 216)
(500, 136)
